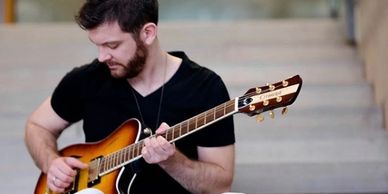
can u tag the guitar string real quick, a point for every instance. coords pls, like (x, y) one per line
(187, 123)
(136, 147)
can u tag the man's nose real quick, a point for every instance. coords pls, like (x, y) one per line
(103, 55)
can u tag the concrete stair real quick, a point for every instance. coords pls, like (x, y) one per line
(332, 140)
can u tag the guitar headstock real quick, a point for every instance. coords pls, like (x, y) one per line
(267, 98)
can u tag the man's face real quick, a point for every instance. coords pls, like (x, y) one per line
(124, 54)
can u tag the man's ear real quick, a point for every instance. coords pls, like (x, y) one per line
(148, 33)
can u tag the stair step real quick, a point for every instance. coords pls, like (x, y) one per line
(251, 32)
(310, 146)
(313, 119)
(342, 177)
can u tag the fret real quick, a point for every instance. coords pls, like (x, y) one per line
(133, 151)
(121, 157)
(126, 156)
(192, 124)
(201, 120)
(107, 163)
(209, 116)
(128, 153)
(166, 134)
(110, 161)
(138, 148)
(180, 130)
(225, 108)
(173, 134)
(186, 126)
(196, 121)
(102, 166)
(176, 129)
(214, 114)
(230, 106)
(220, 112)
(114, 157)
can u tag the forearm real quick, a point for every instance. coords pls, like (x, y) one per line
(198, 176)
(41, 145)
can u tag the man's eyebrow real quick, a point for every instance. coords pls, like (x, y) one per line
(105, 43)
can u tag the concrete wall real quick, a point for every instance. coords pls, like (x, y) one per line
(47, 10)
(372, 40)
(1, 11)
(64, 10)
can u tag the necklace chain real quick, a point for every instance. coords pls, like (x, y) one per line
(160, 99)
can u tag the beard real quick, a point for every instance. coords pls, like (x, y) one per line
(135, 65)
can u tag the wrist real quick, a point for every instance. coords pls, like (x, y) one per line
(49, 159)
(176, 158)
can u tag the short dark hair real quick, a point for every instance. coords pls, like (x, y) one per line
(131, 15)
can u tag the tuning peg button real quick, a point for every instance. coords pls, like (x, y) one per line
(259, 118)
(279, 99)
(271, 114)
(284, 111)
(147, 131)
(271, 87)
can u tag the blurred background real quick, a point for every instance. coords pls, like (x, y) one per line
(334, 138)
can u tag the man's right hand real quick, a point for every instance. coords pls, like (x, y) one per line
(62, 172)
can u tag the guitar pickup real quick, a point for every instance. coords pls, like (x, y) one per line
(93, 172)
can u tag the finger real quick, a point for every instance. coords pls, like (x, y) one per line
(59, 169)
(162, 128)
(166, 146)
(160, 144)
(63, 176)
(54, 185)
(64, 170)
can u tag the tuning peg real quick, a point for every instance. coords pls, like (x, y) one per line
(271, 87)
(271, 114)
(258, 90)
(252, 107)
(279, 99)
(285, 83)
(284, 110)
(147, 131)
(259, 118)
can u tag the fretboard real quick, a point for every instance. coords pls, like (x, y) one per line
(133, 152)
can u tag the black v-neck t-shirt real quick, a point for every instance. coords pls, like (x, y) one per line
(89, 93)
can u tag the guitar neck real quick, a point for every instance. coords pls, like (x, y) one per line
(200, 121)
(133, 152)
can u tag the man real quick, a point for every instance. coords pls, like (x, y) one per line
(134, 78)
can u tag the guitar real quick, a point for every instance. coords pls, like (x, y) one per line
(108, 158)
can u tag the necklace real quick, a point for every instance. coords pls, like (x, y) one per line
(147, 130)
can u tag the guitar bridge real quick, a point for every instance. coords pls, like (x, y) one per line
(93, 173)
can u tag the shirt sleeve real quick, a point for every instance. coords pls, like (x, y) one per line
(66, 98)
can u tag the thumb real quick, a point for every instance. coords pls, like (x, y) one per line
(75, 163)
